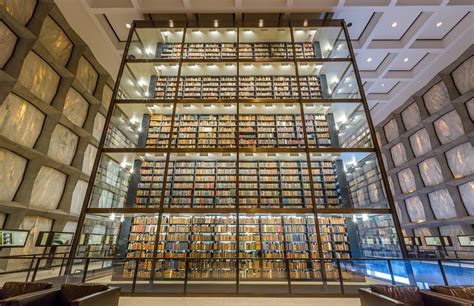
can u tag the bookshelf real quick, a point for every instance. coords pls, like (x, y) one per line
(247, 50)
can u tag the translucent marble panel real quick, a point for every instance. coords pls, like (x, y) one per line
(38, 77)
(411, 116)
(379, 140)
(461, 160)
(35, 225)
(423, 232)
(78, 197)
(470, 108)
(406, 180)
(16, 115)
(70, 227)
(399, 212)
(56, 41)
(89, 157)
(442, 204)
(436, 98)
(63, 144)
(7, 43)
(86, 75)
(463, 76)
(420, 142)
(106, 199)
(449, 127)
(453, 231)
(415, 209)
(467, 196)
(107, 96)
(48, 188)
(391, 130)
(399, 154)
(390, 184)
(384, 160)
(375, 192)
(3, 217)
(99, 122)
(22, 10)
(75, 107)
(12, 167)
(430, 171)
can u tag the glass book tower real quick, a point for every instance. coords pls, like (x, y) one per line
(237, 159)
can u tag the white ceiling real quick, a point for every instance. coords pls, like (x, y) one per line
(388, 78)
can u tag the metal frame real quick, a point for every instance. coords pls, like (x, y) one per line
(238, 150)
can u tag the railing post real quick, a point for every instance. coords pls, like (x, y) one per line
(62, 264)
(186, 267)
(36, 269)
(29, 268)
(445, 279)
(134, 282)
(86, 267)
(389, 263)
(339, 271)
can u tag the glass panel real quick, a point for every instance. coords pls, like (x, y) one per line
(328, 80)
(270, 125)
(200, 125)
(363, 273)
(458, 273)
(208, 81)
(153, 43)
(449, 127)
(436, 98)
(274, 180)
(265, 43)
(420, 142)
(358, 236)
(462, 76)
(212, 275)
(148, 81)
(342, 125)
(201, 180)
(324, 42)
(269, 81)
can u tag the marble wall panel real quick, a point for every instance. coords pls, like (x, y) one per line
(399, 154)
(411, 116)
(420, 143)
(470, 108)
(99, 123)
(391, 130)
(452, 230)
(35, 225)
(7, 43)
(89, 158)
(70, 227)
(436, 98)
(467, 196)
(48, 188)
(56, 41)
(442, 204)
(449, 127)
(86, 75)
(63, 144)
(38, 77)
(430, 171)
(463, 76)
(78, 196)
(12, 168)
(107, 96)
(16, 115)
(415, 209)
(75, 107)
(21, 10)
(461, 160)
(3, 218)
(406, 180)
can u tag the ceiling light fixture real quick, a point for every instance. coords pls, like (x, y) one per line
(171, 23)
(216, 23)
(369, 60)
(382, 85)
(305, 23)
(394, 24)
(439, 24)
(128, 25)
(260, 23)
(405, 59)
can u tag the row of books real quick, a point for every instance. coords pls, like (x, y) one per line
(206, 50)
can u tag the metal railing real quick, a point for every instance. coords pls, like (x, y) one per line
(240, 276)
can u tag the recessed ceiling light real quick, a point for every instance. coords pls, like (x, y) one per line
(369, 60)
(382, 84)
(350, 85)
(439, 24)
(128, 25)
(405, 59)
(394, 24)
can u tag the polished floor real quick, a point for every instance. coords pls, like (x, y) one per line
(240, 301)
